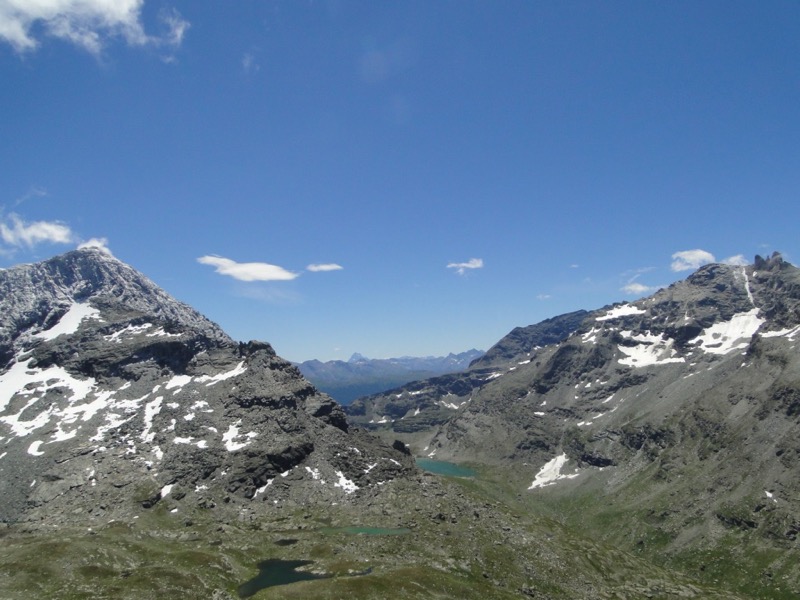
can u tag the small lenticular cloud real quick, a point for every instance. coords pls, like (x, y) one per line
(324, 267)
(461, 268)
(253, 271)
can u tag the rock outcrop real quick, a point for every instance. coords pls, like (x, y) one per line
(114, 395)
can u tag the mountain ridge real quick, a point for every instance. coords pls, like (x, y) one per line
(114, 395)
(679, 411)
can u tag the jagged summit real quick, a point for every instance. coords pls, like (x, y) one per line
(35, 296)
(113, 394)
(357, 358)
(773, 262)
(522, 340)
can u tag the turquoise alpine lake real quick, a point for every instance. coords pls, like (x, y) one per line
(448, 469)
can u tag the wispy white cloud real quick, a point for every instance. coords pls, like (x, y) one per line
(253, 271)
(249, 63)
(324, 267)
(378, 64)
(472, 263)
(16, 232)
(690, 259)
(543, 297)
(176, 27)
(635, 288)
(99, 243)
(88, 24)
(34, 192)
(269, 293)
(739, 261)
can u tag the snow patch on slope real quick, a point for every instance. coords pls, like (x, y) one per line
(621, 311)
(650, 350)
(127, 331)
(70, 321)
(210, 380)
(230, 436)
(348, 486)
(551, 472)
(734, 334)
(789, 334)
(21, 380)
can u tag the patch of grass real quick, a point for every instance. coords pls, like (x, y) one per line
(742, 564)
(467, 538)
(647, 517)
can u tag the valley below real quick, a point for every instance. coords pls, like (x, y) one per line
(438, 537)
(641, 450)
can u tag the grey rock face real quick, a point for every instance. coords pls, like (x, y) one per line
(34, 297)
(421, 405)
(523, 340)
(113, 395)
(698, 383)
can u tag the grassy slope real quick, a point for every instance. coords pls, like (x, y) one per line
(469, 539)
(668, 526)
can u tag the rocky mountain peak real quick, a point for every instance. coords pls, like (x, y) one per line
(113, 394)
(572, 369)
(34, 297)
(683, 406)
(523, 340)
(774, 262)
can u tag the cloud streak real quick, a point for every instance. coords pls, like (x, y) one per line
(18, 233)
(321, 268)
(252, 271)
(88, 24)
(461, 268)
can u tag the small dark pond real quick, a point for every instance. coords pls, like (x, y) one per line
(274, 572)
(354, 530)
(440, 467)
(277, 572)
(286, 542)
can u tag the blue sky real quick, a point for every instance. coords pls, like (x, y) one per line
(399, 178)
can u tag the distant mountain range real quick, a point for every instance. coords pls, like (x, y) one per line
(345, 381)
